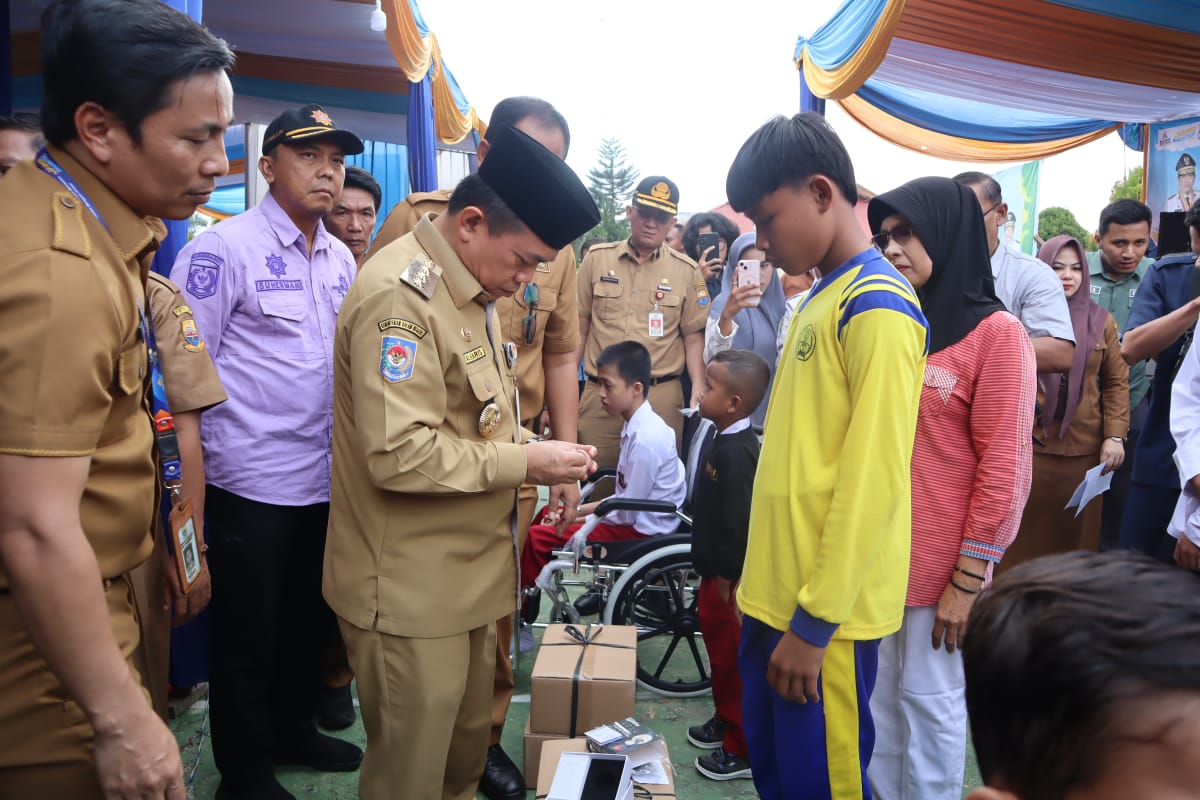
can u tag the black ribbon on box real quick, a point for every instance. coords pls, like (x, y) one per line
(585, 638)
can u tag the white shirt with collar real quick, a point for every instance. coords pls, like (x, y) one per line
(1030, 290)
(1185, 428)
(648, 468)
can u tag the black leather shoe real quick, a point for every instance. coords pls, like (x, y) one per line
(588, 603)
(322, 753)
(335, 708)
(501, 779)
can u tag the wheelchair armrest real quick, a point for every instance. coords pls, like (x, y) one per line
(589, 485)
(610, 504)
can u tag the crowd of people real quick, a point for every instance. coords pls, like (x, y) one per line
(348, 432)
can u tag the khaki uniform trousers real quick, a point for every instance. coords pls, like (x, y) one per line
(153, 655)
(426, 706)
(45, 739)
(603, 431)
(505, 680)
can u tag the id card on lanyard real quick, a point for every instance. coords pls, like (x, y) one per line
(182, 542)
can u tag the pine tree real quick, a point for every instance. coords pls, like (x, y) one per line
(611, 182)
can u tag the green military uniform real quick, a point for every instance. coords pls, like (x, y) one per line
(1117, 296)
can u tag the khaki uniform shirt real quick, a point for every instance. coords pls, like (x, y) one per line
(426, 452)
(189, 377)
(557, 326)
(73, 363)
(618, 295)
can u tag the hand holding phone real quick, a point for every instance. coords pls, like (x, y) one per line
(705, 242)
(749, 273)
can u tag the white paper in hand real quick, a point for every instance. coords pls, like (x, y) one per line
(1092, 486)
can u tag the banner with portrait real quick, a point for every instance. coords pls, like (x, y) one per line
(1171, 155)
(1019, 187)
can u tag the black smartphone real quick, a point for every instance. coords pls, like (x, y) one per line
(707, 240)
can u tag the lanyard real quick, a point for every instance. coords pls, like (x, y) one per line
(164, 423)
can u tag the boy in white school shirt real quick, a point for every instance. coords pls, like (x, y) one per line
(648, 467)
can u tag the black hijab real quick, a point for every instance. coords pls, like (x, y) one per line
(946, 215)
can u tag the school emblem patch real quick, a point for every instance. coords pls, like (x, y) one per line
(191, 336)
(806, 343)
(397, 357)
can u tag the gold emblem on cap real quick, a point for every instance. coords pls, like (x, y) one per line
(323, 118)
(489, 420)
(466, 334)
(661, 191)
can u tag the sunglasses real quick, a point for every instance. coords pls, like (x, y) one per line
(901, 234)
(529, 324)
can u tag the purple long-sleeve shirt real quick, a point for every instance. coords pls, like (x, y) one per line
(267, 312)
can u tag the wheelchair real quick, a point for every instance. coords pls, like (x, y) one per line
(646, 583)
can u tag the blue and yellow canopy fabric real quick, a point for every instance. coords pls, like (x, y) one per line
(418, 54)
(1005, 80)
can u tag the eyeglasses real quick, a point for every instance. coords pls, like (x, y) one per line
(529, 324)
(993, 208)
(901, 234)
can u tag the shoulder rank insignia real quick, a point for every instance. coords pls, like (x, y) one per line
(423, 275)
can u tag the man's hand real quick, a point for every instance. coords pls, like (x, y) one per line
(564, 506)
(187, 605)
(552, 462)
(794, 668)
(950, 624)
(1112, 455)
(1187, 555)
(137, 757)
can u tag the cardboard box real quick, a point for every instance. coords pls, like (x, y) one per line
(552, 751)
(533, 752)
(586, 672)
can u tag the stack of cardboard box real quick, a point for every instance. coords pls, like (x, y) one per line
(584, 676)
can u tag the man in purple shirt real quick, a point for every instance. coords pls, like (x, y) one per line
(266, 287)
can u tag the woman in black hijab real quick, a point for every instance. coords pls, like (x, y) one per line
(971, 470)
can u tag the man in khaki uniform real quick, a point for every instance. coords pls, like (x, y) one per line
(643, 291)
(77, 473)
(191, 385)
(428, 456)
(544, 324)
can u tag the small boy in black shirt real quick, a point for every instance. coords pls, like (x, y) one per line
(734, 384)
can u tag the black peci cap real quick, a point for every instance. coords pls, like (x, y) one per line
(539, 187)
(309, 122)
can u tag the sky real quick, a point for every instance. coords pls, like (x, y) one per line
(683, 84)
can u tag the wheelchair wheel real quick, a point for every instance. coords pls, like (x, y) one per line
(658, 594)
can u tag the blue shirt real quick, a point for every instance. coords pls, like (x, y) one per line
(1164, 288)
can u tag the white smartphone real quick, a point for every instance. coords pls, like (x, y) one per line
(749, 273)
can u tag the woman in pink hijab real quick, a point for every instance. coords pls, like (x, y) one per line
(1083, 420)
